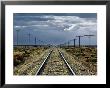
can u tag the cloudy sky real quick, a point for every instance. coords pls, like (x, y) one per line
(54, 28)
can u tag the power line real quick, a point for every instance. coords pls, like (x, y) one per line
(17, 35)
(79, 39)
(35, 40)
(29, 37)
(74, 41)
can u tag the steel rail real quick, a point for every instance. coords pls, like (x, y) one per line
(43, 64)
(41, 68)
(69, 67)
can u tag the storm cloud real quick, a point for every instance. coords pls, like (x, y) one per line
(54, 28)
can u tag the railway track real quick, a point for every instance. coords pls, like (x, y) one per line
(67, 64)
(55, 64)
(43, 64)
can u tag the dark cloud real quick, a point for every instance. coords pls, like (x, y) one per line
(82, 15)
(54, 28)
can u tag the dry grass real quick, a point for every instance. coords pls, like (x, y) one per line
(82, 60)
(32, 62)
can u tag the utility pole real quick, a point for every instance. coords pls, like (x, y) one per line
(29, 37)
(35, 40)
(74, 42)
(89, 37)
(17, 35)
(79, 39)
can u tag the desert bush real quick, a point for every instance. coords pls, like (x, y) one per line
(91, 60)
(18, 59)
